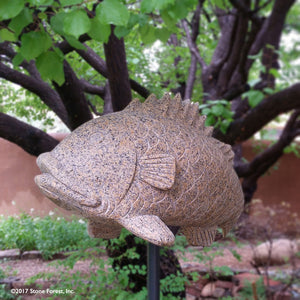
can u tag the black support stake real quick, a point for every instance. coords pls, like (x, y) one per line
(153, 263)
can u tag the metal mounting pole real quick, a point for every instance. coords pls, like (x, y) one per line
(153, 262)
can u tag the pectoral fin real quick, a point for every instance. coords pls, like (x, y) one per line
(199, 237)
(150, 228)
(158, 170)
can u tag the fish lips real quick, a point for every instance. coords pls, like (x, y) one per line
(58, 192)
(53, 188)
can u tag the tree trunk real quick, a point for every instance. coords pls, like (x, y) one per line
(118, 76)
(72, 95)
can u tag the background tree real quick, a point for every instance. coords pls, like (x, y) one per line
(78, 58)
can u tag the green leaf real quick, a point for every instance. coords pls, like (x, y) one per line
(70, 2)
(268, 90)
(121, 31)
(274, 72)
(99, 32)
(253, 82)
(57, 22)
(222, 4)
(112, 12)
(148, 6)
(41, 2)
(20, 21)
(169, 19)
(76, 23)
(217, 109)
(224, 126)
(148, 34)
(254, 97)
(178, 10)
(10, 8)
(206, 111)
(6, 35)
(34, 43)
(18, 59)
(74, 42)
(163, 34)
(210, 120)
(50, 66)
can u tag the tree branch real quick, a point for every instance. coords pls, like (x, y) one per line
(256, 118)
(7, 50)
(263, 161)
(193, 65)
(31, 139)
(192, 46)
(271, 30)
(92, 89)
(240, 5)
(226, 23)
(191, 78)
(49, 96)
(235, 54)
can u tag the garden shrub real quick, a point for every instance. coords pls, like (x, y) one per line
(49, 235)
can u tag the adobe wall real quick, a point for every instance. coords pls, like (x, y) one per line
(18, 192)
(281, 185)
(17, 170)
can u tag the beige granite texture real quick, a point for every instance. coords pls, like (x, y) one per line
(151, 165)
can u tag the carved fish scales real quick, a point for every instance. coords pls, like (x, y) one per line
(150, 166)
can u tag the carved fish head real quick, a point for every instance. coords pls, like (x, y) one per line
(89, 171)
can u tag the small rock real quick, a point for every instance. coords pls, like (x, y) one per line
(191, 297)
(224, 284)
(208, 290)
(11, 254)
(201, 282)
(8, 281)
(193, 291)
(276, 253)
(31, 254)
(218, 292)
(195, 288)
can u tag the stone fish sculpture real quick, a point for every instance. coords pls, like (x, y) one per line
(151, 165)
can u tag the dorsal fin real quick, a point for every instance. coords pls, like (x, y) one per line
(226, 150)
(134, 105)
(167, 107)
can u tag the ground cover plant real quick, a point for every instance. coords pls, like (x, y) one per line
(49, 235)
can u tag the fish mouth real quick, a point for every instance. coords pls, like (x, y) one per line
(55, 189)
(58, 192)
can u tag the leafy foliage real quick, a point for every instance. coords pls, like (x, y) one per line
(219, 114)
(48, 235)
